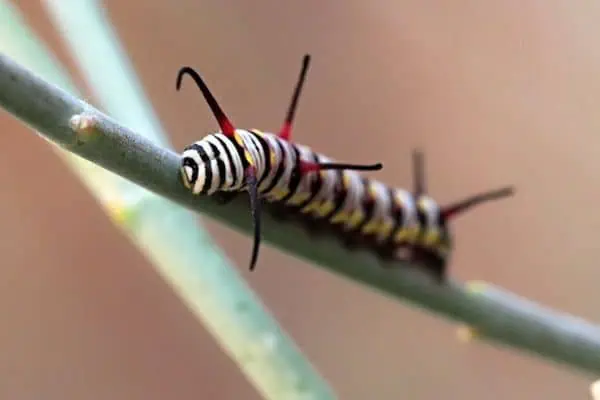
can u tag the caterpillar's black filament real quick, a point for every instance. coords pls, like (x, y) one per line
(299, 181)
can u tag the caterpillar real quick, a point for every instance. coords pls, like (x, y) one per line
(329, 196)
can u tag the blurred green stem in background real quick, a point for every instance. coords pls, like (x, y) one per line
(180, 250)
(492, 313)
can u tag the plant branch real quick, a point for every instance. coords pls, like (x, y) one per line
(495, 314)
(168, 235)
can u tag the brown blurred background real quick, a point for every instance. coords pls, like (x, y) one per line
(496, 92)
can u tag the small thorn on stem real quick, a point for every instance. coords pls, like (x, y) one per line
(466, 333)
(82, 123)
(476, 286)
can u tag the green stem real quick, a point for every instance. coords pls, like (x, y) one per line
(179, 249)
(498, 315)
(87, 32)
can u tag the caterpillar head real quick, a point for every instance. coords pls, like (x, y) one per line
(200, 162)
(190, 169)
(436, 239)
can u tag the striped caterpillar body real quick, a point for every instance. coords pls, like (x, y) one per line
(328, 196)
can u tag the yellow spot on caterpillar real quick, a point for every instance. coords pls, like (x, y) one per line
(413, 233)
(341, 216)
(370, 227)
(401, 235)
(249, 158)
(326, 207)
(238, 138)
(278, 194)
(298, 198)
(466, 333)
(409, 234)
(356, 218)
(385, 228)
(312, 206)
(346, 180)
(431, 237)
(371, 192)
(240, 141)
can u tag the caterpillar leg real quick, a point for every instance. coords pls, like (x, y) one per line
(315, 227)
(431, 262)
(437, 268)
(350, 242)
(354, 240)
(278, 212)
(224, 197)
(426, 260)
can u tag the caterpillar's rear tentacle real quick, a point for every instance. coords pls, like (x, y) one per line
(419, 182)
(461, 206)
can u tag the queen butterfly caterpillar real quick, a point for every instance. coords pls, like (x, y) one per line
(296, 181)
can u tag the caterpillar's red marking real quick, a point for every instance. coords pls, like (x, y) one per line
(286, 130)
(324, 195)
